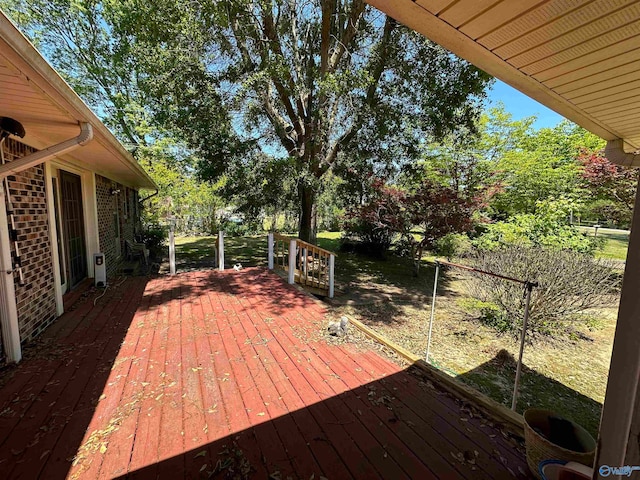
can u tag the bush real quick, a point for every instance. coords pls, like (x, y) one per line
(570, 285)
(374, 225)
(453, 245)
(546, 228)
(154, 237)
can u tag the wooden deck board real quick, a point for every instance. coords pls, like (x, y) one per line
(213, 373)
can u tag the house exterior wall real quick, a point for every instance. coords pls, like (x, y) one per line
(124, 202)
(35, 299)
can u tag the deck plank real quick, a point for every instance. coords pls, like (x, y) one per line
(211, 373)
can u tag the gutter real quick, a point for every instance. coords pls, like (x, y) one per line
(614, 152)
(36, 158)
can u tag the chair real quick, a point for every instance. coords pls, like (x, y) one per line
(137, 250)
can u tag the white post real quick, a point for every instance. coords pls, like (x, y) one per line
(617, 445)
(270, 247)
(172, 252)
(525, 321)
(292, 262)
(8, 307)
(221, 251)
(332, 268)
(433, 310)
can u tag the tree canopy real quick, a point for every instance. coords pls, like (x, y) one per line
(319, 82)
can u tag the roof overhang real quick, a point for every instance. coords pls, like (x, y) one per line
(580, 58)
(33, 93)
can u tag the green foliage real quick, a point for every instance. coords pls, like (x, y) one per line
(295, 80)
(154, 237)
(547, 228)
(453, 245)
(489, 313)
(374, 225)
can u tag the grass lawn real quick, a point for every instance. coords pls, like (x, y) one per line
(616, 242)
(566, 375)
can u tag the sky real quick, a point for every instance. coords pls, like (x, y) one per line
(520, 106)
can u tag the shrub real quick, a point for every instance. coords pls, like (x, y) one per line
(374, 225)
(154, 237)
(546, 228)
(570, 285)
(453, 245)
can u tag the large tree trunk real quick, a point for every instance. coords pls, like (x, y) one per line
(307, 225)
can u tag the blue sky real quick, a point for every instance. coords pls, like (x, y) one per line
(520, 106)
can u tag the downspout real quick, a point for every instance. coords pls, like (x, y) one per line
(614, 152)
(148, 197)
(16, 166)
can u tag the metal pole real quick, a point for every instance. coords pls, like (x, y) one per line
(433, 309)
(528, 288)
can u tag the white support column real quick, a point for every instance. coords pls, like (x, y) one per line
(292, 262)
(332, 268)
(8, 307)
(270, 248)
(53, 236)
(172, 252)
(90, 218)
(620, 422)
(221, 251)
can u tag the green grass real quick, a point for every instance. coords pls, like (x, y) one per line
(199, 251)
(616, 242)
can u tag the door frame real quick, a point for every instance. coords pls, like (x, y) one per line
(74, 238)
(90, 217)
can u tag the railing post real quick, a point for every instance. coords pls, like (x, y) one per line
(221, 251)
(270, 247)
(303, 265)
(433, 310)
(172, 252)
(332, 268)
(292, 261)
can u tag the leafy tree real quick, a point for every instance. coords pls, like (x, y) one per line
(612, 188)
(376, 223)
(262, 186)
(434, 211)
(306, 80)
(546, 228)
(419, 218)
(81, 39)
(77, 38)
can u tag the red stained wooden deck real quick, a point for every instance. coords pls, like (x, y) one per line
(226, 375)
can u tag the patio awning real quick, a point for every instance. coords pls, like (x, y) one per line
(580, 58)
(33, 93)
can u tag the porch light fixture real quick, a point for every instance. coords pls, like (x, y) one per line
(9, 126)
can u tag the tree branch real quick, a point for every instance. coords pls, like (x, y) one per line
(328, 7)
(349, 32)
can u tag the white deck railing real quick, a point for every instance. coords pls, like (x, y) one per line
(305, 263)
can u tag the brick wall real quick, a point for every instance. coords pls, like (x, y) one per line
(36, 298)
(107, 205)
